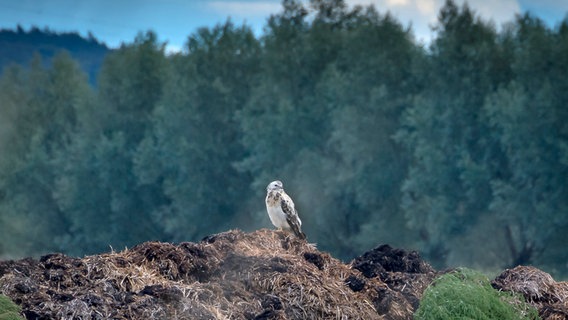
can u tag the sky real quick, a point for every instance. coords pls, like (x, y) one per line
(118, 21)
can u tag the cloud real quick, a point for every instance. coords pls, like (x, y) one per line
(499, 11)
(392, 3)
(427, 8)
(174, 48)
(422, 14)
(245, 9)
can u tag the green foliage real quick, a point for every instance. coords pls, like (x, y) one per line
(377, 138)
(100, 155)
(130, 85)
(194, 138)
(444, 129)
(468, 129)
(530, 196)
(43, 113)
(467, 294)
(8, 309)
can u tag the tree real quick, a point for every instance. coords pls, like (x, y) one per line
(448, 182)
(130, 85)
(100, 157)
(43, 106)
(314, 123)
(194, 140)
(528, 119)
(368, 92)
(265, 120)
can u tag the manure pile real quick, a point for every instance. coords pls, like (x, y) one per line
(235, 275)
(232, 275)
(549, 297)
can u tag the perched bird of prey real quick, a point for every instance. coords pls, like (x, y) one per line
(281, 209)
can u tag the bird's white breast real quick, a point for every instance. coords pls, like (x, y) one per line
(277, 217)
(274, 208)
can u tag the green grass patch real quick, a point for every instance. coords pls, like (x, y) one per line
(8, 309)
(467, 294)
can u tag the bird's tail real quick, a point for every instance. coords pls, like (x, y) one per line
(300, 234)
(295, 226)
(297, 231)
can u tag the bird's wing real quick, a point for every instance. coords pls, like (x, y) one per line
(292, 216)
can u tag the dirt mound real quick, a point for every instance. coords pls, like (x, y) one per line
(538, 288)
(231, 275)
(384, 259)
(404, 273)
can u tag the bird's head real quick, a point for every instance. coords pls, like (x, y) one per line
(275, 185)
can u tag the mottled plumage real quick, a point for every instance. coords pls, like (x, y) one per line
(281, 211)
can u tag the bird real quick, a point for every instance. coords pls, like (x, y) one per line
(281, 210)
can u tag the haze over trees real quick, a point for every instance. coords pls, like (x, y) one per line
(458, 150)
(19, 46)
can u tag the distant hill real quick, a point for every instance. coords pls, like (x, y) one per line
(18, 47)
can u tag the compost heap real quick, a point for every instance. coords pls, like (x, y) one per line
(539, 289)
(232, 275)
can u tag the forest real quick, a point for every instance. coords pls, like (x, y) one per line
(19, 46)
(457, 149)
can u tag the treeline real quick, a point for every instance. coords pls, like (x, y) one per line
(19, 46)
(459, 150)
